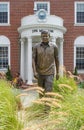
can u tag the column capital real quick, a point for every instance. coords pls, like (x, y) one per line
(29, 37)
(23, 39)
(59, 40)
(54, 39)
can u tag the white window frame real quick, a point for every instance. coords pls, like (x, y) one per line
(39, 2)
(75, 10)
(79, 42)
(6, 24)
(4, 42)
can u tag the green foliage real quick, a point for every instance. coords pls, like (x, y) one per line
(36, 111)
(8, 108)
(72, 104)
(66, 108)
(69, 115)
(67, 81)
(75, 71)
(8, 74)
(74, 107)
(81, 85)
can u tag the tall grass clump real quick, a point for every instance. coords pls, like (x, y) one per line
(72, 104)
(74, 107)
(64, 85)
(64, 112)
(62, 109)
(8, 108)
(39, 115)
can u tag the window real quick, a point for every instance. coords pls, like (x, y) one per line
(4, 53)
(3, 57)
(80, 58)
(79, 12)
(79, 54)
(42, 5)
(4, 13)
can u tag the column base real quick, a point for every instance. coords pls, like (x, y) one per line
(30, 83)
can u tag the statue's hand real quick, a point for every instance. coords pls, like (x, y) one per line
(36, 75)
(57, 76)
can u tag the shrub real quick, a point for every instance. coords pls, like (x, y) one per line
(75, 71)
(81, 85)
(8, 74)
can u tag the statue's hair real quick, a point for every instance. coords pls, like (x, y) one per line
(45, 32)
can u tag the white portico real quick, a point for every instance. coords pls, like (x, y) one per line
(30, 31)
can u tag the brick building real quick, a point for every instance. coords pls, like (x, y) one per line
(21, 22)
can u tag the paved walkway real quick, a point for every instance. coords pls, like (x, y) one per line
(29, 97)
(26, 96)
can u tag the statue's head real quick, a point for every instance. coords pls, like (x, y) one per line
(45, 35)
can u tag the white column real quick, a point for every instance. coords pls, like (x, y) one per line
(54, 40)
(59, 41)
(22, 59)
(29, 61)
(61, 56)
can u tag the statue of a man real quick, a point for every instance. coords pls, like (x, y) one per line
(45, 56)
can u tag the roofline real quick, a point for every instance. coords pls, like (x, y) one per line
(49, 26)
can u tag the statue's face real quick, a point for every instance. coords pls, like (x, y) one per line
(45, 37)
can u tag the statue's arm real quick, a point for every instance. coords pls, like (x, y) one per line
(34, 60)
(56, 61)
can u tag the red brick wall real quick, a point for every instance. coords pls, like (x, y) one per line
(61, 8)
(18, 9)
(65, 9)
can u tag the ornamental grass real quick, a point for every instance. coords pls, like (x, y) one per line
(8, 108)
(65, 108)
(61, 109)
(74, 107)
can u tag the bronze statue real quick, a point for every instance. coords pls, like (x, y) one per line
(45, 56)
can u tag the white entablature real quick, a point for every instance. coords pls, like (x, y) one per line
(49, 22)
